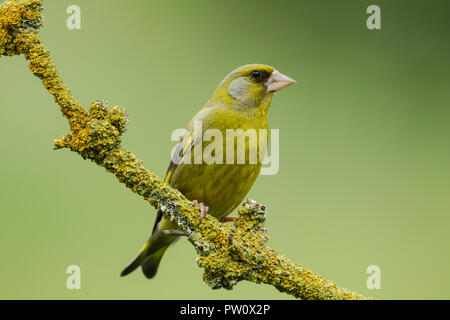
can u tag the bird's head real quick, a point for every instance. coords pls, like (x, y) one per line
(250, 86)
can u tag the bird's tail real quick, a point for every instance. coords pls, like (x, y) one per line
(150, 266)
(149, 261)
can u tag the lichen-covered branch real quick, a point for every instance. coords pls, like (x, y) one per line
(228, 253)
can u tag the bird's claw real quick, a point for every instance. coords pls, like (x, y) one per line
(190, 236)
(176, 233)
(203, 209)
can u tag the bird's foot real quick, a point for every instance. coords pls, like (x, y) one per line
(176, 233)
(190, 236)
(203, 209)
(229, 219)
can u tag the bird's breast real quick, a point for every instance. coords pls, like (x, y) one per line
(232, 149)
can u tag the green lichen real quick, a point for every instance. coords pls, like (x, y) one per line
(228, 253)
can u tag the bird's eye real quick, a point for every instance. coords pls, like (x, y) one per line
(257, 74)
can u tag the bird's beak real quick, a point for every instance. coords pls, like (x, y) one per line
(278, 81)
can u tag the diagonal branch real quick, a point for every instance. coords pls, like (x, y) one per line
(228, 253)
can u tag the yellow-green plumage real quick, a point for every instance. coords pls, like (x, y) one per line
(241, 101)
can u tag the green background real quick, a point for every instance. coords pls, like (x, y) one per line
(364, 143)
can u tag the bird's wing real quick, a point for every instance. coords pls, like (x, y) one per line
(182, 150)
(191, 137)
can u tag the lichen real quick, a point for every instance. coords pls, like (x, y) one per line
(228, 253)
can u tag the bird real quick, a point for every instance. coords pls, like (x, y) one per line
(239, 105)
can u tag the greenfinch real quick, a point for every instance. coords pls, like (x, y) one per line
(239, 104)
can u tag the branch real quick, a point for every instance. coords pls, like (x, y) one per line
(228, 253)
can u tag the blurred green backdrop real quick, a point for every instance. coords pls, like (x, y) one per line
(364, 158)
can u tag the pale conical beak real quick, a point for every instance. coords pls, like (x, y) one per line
(278, 81)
